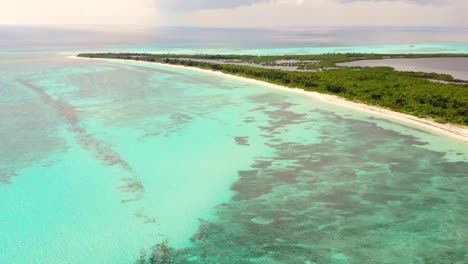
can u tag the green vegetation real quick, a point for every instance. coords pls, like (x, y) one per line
(414, 93)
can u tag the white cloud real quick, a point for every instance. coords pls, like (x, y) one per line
(184, 5)
(78, 12)
(235, 13)
(308, 13)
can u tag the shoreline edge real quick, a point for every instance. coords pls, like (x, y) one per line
(460, 133)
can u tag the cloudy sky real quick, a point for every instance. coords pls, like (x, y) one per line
(235, 13)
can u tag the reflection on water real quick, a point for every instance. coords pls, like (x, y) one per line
(234, 41)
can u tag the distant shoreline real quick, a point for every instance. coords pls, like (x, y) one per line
(457, 132)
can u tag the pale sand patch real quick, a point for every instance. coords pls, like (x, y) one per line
(458, 132)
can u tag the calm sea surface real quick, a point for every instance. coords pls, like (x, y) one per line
(101, 160)
(457, 67)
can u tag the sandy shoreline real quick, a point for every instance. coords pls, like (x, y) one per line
(450, 130)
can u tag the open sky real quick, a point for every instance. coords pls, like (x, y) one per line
(234, 13)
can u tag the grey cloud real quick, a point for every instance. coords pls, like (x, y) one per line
(190, 5)
(421, 2)
(204, 4)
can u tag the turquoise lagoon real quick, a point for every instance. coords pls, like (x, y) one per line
(100, 160)
(419, 48)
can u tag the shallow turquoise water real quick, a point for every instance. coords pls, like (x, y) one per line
(99, 160)
(386, 49)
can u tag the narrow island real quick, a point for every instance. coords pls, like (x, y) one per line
(434, 100)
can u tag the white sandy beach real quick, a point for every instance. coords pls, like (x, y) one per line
(450, 130)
